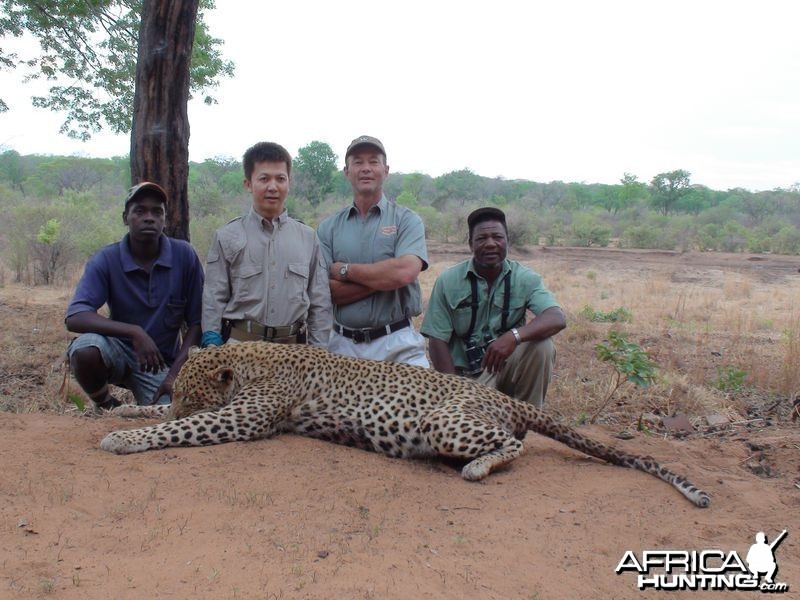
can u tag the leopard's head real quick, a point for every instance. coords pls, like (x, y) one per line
(205, 382)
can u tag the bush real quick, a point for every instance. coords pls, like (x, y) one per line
(734, 237)
(787, 240)
(202, 230)
(587, 231)
(647, 236)
(521, 228)
(629, 363)
(730, 379)
(618, 315)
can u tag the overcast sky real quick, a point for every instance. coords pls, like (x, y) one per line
(569, 90)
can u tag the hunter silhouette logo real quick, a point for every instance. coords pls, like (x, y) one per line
(761, 558)
(707, 569)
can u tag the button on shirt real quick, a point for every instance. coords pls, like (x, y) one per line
(270, 272)
(448, 315)
(389, 231)
(159, 301)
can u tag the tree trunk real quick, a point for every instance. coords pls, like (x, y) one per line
(160, 134)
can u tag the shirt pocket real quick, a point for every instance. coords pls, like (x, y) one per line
(297, 281)
(516, 312)
(246, 281)
(462, 316)
(173, 314)
(384, 246)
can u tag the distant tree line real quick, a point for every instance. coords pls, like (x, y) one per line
(58, 210)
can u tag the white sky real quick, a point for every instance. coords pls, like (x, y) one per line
(570, 90)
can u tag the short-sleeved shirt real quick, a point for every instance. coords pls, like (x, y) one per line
(389, 231)
(449, 311)
(268, 271)
(159, 301)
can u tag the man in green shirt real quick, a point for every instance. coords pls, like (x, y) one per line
(475, 321)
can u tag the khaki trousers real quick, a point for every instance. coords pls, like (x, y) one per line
(527, 372)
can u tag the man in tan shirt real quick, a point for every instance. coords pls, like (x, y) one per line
(265, 275)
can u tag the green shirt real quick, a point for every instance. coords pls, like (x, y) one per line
(390, 230)
(449, 312)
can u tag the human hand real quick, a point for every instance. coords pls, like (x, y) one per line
(150, 359)
(498, 352)
(210, 338)
(164, 388)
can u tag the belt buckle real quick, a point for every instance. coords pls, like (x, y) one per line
(361, 336)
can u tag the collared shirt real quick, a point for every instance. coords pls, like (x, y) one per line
(159, 301)
(389, 231)
(270, 272)
(449, 313)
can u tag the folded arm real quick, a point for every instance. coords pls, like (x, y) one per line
(382, 276)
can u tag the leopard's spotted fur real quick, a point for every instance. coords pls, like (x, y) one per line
(255, 389)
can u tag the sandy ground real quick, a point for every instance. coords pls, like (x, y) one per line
(293, 517)
(298, 518)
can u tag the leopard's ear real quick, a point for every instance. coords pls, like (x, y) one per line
(221, 375)
(194, 350)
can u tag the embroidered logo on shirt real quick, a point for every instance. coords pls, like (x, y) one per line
(389, 230)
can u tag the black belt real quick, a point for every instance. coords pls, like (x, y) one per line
(360, 336)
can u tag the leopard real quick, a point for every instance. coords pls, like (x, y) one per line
(252, 390)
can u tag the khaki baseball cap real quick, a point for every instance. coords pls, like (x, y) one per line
(364, 140)
(145, 186)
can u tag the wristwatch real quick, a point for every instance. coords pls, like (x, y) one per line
(343, 270)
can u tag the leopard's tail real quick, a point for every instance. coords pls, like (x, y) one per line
(545, 425)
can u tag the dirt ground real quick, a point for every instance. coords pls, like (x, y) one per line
(293, 517)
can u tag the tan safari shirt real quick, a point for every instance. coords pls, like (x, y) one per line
(270, 272)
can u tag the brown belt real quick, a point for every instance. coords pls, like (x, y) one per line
(252, 330)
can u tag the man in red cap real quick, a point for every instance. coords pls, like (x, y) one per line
(152, 285)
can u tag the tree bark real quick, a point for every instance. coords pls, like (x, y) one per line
(160, 133)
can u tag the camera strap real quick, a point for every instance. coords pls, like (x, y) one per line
(473, 280)
(506, 301)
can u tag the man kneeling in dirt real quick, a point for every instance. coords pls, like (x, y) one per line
(475, 321)
(152, 285)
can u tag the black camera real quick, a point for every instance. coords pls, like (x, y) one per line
(475, 352)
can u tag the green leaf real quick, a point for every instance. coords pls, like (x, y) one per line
(77, 401)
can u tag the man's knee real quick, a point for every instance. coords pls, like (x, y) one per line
(93, 359)
(527, 374)
(86, 359)
(541, 352)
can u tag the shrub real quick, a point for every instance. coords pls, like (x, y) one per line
(587, 231)
(787, 240)
(618, 315)
(629, 363)
(730, 379)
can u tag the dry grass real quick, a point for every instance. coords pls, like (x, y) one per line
(695, 326)
(33, 339)
(695, 322)
(790, 369)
